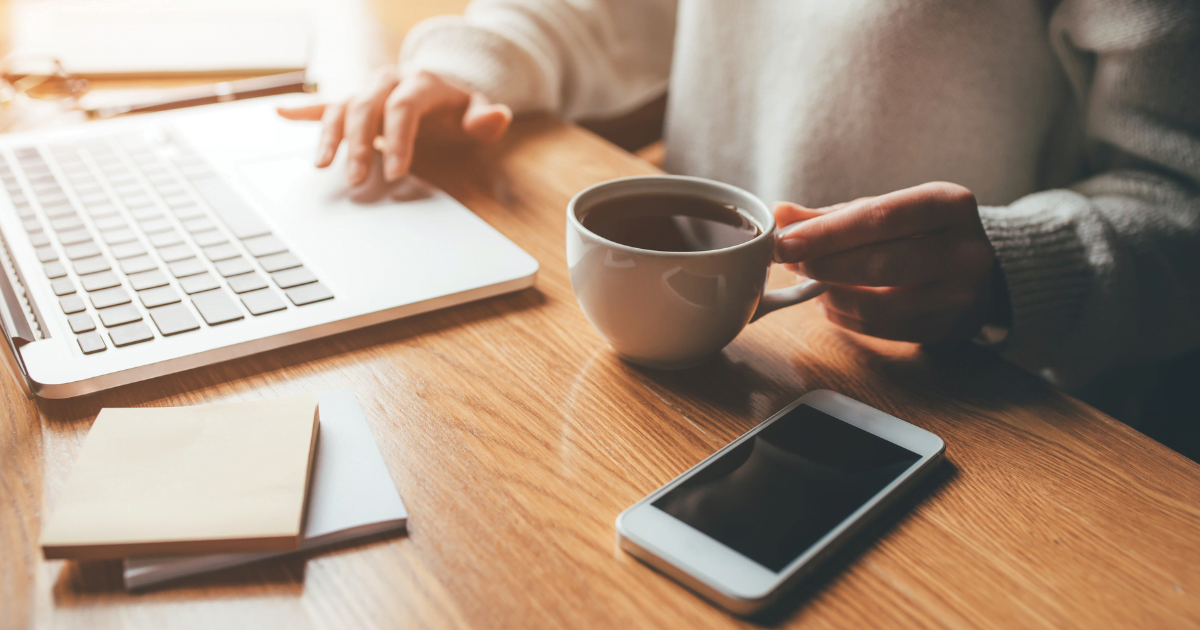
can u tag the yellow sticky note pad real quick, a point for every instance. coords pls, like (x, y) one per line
(227, 477)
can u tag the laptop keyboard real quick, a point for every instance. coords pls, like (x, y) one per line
(139, 238)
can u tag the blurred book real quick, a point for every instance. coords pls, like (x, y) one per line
(220, 478)
(138, 38)
(351, 496)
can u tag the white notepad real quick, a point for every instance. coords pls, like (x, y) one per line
(351, 496)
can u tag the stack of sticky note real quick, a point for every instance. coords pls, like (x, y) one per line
(206, 479)
(184, 490)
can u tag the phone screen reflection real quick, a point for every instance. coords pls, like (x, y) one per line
(774, 496)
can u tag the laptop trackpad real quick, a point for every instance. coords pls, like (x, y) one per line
(276, 180)
(380, 230)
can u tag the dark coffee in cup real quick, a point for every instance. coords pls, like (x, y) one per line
(669, 222)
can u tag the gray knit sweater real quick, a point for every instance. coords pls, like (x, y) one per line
(1076, 123)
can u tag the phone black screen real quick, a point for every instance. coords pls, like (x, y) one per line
(776, 494)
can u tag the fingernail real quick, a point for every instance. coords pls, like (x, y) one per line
(790, 230)
(322, 156)
(391, 167)
(789, 249)
(358, 170)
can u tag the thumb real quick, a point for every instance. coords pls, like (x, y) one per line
(485, 121)
(311, 112)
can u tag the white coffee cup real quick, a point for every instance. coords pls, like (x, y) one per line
(671, 310)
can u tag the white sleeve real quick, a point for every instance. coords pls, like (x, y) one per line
(577, 58)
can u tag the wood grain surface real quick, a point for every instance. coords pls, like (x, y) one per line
(515, 437)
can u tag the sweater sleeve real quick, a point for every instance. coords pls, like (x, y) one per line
(1106, 273)
(578, 58)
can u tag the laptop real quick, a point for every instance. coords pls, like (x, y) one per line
(149, 245)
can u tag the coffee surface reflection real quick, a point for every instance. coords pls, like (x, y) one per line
(670, 222)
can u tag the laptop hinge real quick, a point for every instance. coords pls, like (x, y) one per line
(16, 325)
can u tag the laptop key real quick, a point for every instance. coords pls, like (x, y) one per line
(293, 277)
(262, 302)
(99, 211)
(72, 304)
(148, 280)
(137, 201)
(95, 264)
(110, 223)
(119, 315)
(81, 323)
(154, 226)
(247, 282)
(218, 253)
(202, 224)
(145, 214)
(176, 252)
(241, 219)
(185, 268)
(66, 222)
(100, 281)
(216, 307)
(82, 250)
(210, 238)
(91, 343)
(39, 239)
(234, 267)
(51, 195)
(166, 239)
(159, 296)
(264, 245)
(93, 198)
(32, 225)
(54, 269)
(72, 237)
(112, 296)
(309, 293)
(174, 319)
(116, 237)
(127, 250)
(198, 283)
(279, 262)
(46, 254)
(184, 213)
(59, 210)
(62, 286)
(178, 200)
(137, 264)
(128, 335)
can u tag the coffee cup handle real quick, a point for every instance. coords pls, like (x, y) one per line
(795, 294)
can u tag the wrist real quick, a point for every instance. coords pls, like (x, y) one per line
(998, 320)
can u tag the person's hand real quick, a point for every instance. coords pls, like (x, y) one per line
(911, 265)
(399, 106)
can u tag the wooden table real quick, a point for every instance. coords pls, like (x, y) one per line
(515, 437)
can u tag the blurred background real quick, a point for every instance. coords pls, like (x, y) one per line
(129, 51)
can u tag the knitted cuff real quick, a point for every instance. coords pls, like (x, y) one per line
(1041, 252)
(451, 47)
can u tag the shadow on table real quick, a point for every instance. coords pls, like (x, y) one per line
(80, 582)
(748, 381)
(339, 346)
(84, 582)
(784, 609)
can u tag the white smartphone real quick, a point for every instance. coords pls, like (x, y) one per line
(751, 520)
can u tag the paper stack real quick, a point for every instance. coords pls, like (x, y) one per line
(229, 477)
(352, 496)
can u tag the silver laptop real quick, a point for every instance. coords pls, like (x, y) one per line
(154, 244)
